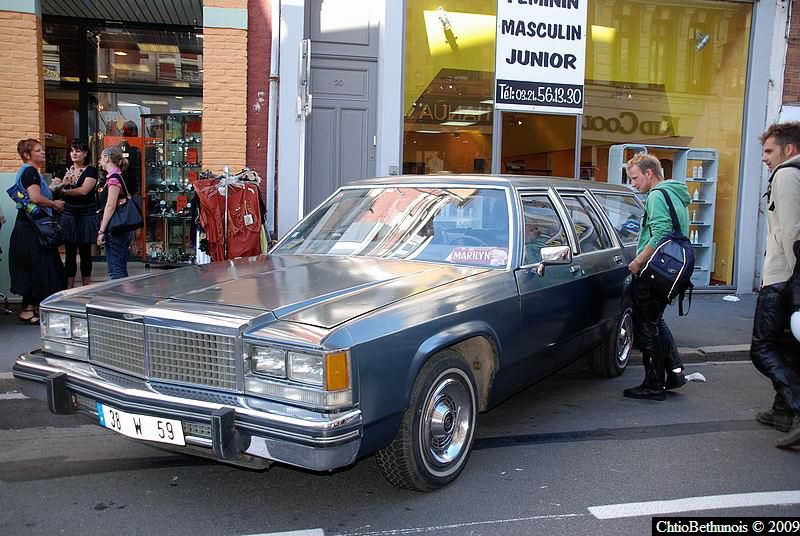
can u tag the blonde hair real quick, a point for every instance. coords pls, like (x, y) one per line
(646, 161)
(114, 154)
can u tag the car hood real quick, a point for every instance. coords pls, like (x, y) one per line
(323, 291)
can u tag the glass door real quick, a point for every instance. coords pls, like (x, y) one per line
(537, 144)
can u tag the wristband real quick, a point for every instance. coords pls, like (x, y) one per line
(101, 232)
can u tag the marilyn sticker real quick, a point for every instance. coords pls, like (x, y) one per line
(479, 256)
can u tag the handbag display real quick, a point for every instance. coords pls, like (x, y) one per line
(128, 216)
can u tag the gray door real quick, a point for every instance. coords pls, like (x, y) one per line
(340, 134)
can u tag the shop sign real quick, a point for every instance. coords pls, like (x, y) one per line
(52, 71)
(540, 55)
(629, 123)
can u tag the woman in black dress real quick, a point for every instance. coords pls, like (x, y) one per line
(36, 272)
(79, 219)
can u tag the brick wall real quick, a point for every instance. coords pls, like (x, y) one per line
(21, 86)
(791, 80)
(259, 43)
(224, 96)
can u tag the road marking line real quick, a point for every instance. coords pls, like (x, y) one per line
(309, 532)
(689, 504)
(12, 396)
(417, 530)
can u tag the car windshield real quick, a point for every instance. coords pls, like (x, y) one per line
(466, 226)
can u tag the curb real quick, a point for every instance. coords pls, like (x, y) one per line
(705, 354)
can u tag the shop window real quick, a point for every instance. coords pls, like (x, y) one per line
(61, 52)
(163, 58)
(61, 126)
(674, 76)
(449, 79)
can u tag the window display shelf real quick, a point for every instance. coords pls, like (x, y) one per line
(697, 168)
(172, 160)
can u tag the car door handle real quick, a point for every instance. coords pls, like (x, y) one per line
(576, 269)
(618, 259)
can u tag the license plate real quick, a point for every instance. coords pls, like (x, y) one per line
(141, 426)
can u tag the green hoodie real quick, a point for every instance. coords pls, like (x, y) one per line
(659, 222)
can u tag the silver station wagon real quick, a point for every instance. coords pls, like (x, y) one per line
(381, 324)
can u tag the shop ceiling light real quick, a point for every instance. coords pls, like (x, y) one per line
(701, 40)
(488, 101)
(155, 102)
(458, 123)
(134, 67)
(470, 111)
(603, 34)
(103, 76)
(428, 131)
(158, 48)
(120, 53)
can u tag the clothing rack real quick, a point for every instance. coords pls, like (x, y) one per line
(226, 180)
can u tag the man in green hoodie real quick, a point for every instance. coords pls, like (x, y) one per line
(659, 354)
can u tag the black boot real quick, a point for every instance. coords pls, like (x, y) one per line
(652, 386)
(646, 392)
(675, 380)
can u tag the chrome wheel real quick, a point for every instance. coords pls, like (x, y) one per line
(447, 421)
(435, 437)
(624, 339)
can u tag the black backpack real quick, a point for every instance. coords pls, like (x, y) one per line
(669, 270)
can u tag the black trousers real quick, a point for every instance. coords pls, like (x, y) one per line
(651, 334)
(774, 351)
(70, 260)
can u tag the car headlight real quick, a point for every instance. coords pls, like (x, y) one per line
(65, 335)
(79, 329)
(306, 368)
(56, 325)
(268, 361)
(320, 379)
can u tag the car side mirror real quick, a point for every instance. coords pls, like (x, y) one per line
(553, 255)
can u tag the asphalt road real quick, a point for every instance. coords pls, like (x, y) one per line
(541, 461)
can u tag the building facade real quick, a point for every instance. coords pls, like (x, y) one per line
(348, 89)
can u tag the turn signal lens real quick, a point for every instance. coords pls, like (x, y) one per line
(337, 376)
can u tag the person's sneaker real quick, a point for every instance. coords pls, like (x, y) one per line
(675, 380)
(778, 419)
(646, 392)
(792, 438)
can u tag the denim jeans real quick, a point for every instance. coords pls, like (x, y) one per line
(117, 254)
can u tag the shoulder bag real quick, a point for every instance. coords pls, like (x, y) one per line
(127, 216)
(669, 270)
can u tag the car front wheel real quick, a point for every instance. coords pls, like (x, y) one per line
(438, 428)
(610, 358)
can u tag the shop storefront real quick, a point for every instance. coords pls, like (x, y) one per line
(138, 86)
(665, 78)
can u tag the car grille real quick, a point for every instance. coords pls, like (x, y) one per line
(190, 357)
(118, 344)
(172, 355)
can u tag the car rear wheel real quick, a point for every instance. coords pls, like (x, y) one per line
(610, 358)
(438, 428)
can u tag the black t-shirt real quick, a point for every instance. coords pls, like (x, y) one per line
(81, 201)
(29, 177)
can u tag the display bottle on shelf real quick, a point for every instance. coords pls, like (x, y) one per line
(696, 196)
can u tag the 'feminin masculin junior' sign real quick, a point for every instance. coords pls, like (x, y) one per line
(541, 55)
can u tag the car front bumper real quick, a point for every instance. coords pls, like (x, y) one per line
(229, 427)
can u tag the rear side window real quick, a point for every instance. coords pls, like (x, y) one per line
(589, 228)
(542, 227)
(625, 214)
